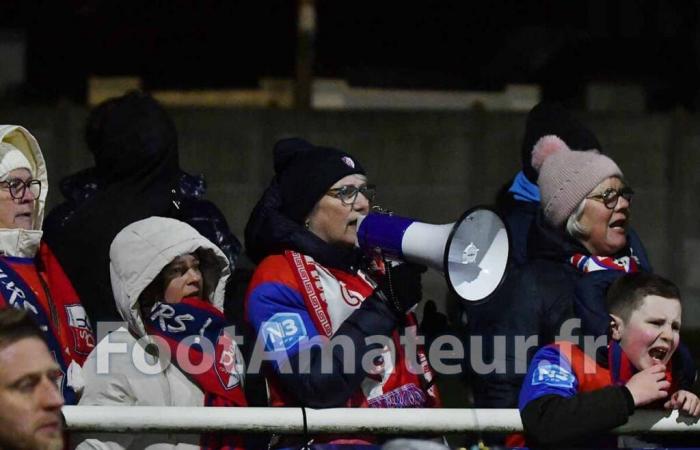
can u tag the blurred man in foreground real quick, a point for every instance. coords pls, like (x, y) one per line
(30, 402)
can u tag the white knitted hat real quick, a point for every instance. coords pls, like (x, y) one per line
(566, 177)
(11, 158)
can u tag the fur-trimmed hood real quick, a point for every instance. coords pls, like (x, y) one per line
(142, 249)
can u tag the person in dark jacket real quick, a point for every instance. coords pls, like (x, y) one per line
(312, 284)
(136, 175)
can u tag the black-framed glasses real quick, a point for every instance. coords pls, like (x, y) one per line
(610, 196)
(348, 193)
(17, 187)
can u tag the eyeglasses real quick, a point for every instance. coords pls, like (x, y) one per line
(610, 196)
(17, 187)
(348, 193)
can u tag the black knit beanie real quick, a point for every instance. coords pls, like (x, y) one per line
(305, 172)
(552, 118)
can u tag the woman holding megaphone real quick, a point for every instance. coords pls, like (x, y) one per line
(313, 289)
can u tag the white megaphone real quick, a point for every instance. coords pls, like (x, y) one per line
(472, 252)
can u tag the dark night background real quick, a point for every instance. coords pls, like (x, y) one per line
(468, 45)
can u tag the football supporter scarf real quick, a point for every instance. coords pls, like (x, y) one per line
(211, 356)
(73, 317)
(621, 370)
(330, 295)
(590, 263)
(15, 293)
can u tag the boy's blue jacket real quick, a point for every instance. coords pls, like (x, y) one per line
(567, 397)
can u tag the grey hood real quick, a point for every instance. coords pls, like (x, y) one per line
(142, 249)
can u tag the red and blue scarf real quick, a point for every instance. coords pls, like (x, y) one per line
(590, 263)
(621, 369)
(202, 327)
(14, 292)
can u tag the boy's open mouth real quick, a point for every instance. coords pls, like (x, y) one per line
(658, 354)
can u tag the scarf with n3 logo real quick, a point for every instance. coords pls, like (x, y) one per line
(194, 332)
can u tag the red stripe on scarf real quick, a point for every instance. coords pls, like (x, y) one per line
(590, 263)
(220, 382)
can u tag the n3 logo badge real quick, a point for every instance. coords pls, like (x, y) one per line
(282, 331)
(553, 375)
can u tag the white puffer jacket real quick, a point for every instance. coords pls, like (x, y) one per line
(114, 371)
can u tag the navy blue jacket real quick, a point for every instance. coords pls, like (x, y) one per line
(268, 232)
(535, 300)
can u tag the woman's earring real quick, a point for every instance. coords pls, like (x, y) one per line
(307, 225)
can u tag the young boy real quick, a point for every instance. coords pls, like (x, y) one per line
(566, 397)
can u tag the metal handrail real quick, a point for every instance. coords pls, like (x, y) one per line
(334, 420)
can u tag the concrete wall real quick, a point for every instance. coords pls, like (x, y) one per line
(429, 165)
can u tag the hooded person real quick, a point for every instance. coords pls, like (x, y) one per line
(313, 289)
(168, 283)
(31, 277)
(136, 175)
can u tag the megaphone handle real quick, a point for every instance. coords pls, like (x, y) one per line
(388, 264)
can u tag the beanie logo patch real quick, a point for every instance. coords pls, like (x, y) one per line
(348, 162)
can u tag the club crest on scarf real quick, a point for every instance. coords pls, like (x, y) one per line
(228, 361)
(80, 328)
(201, 329)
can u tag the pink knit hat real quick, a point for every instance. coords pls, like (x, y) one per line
(566, 177)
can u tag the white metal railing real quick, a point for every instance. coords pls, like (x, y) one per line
(335, 420)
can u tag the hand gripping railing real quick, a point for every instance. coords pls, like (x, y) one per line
(335, 420)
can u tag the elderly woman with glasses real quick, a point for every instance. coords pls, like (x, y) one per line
(578, 245)
(31, 277)
(314, 299)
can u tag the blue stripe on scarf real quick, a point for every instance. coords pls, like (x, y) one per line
(615, 361)
(17, 294)
(179, 320)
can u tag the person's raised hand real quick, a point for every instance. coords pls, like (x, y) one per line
(684, 401)
(649, 385)
(401, 285)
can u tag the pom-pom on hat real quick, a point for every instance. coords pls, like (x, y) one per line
(305, 172)
(549, 118)
(566, 177)
(12, 158)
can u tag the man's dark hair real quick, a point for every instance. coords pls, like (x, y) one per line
(627, 292)
(16, 324)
